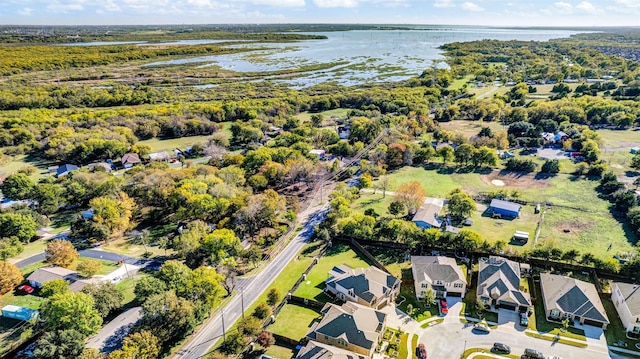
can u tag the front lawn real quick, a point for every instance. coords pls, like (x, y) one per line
(339, 253)
(20, 299)
(294, 321)
(419, 311)
(615, 332)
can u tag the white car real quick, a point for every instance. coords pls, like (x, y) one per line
(483, 328)
(554, 357)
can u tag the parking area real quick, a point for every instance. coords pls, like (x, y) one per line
(552, 154)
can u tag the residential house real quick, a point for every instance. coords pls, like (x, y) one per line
(129, 160)
(427, 216)
(65, 170)
(46, 274)
(441, 274)
(367, 286)
(351, 327)
(315, 350)
(626, 299)
(566, 297)
(504, 209)
(499, 284)
(159, 156)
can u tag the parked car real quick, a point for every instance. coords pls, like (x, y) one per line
(481, 327)
(500, 348)
(26, 288)
(524, 320)
(533, 354)
(421, 352)
(554, 357)
(444, 308)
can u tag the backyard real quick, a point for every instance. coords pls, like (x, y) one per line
(294, 321)
(339, 253)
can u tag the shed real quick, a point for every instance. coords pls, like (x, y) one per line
(521, 236)
(20, 313)
(504, 208)
(635, 150)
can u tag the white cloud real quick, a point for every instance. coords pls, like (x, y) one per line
(279, 3)
(588, 7)
(563, 7)
(443, 3)
(27, 11)
(336, 3)
(469, 6)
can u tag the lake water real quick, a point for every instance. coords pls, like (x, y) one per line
(370, 55)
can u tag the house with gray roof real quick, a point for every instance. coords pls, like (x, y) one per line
(626, 299)
(367, 286)
(566, 297)
(499, 284)
(428, 215)
(46, 274)
(352, 327)
(315, 350)
(442, 274)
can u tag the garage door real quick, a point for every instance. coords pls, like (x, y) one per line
(454, 294)
(592, 322)
(507, 306)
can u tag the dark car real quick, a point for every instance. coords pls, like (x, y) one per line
(533, 354)
(524, 320)
(26, 288)
(500, 348)
(421, 352)
(443, 306)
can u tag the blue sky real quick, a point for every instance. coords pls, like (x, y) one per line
(457, 12)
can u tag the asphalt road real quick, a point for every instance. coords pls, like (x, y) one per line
(110, 336)
(202, 340)
(97, 254)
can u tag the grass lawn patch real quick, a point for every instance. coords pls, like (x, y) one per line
(280, 351)
(294, 321)
(20, 299)
(171, 144)
(30, 249)
(432, 323)
(467, 353)
(339, 253)
(561, 339)
(338, 112)
(392, 259)
(373, 201)
(615, 332)
(414, 345)
(397, 343)
(494, 229)
(133, 248)
(471, 128)
(127, 286)
(105, 268)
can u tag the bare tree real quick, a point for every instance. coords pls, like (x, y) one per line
(384, 184)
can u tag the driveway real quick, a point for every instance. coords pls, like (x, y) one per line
(552, 154)
(110, 336)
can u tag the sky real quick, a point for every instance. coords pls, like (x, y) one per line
(443, 12)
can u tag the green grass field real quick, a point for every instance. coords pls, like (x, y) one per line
(339, 254)
(21, 299)
(339, 112)
(158, 145)
(294, 321)
(470, 128)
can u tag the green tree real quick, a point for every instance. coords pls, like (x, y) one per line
(10, 276)
(635, 162)
(221, 244)
(174, 274)
(262, 311)
(20, 225)
(140, 345)
(114, 213)
(250, 326)
(204, 284)
(550, 166)
(463, 153)
(106, 296)
(56, 286)
(396, 208)
(71, 311)
(446, 153)
(460, 204)
(365, 181)
(60, 253)
(429, 297)
(273, 297)
(169, 317)
(233, 344)
(10, 247)
(18, 186)
(59, 344)
(89, 267)
(147, 287)
(316, 119)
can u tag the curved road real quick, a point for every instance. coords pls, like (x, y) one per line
(206, 336)
(96, 254)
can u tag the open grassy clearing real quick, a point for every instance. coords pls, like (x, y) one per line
(339, 112)
(20, 299)
(134, 248)
(279, 351)
(171, 144)
(294, 321)
(13, 164)
(339, 253)
(470, 128)
(30, 249)
(374, 201)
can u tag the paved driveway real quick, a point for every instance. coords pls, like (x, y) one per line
(110, 336)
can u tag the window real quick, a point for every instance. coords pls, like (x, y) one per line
(636, 329)
(555, 313)
(425, 285)
(437, 282)
(457, 285)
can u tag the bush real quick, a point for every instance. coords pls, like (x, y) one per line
(550, 166)
(520, 165)
(262, 311)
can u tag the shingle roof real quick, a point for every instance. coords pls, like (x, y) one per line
(432, 268)
(316, 350)
(573, 296)
(47, 274)
(499, 278)
(631, 295)
(66, 168)
(429, 212)
(130, 158)
(355, 323)
(506, 205)
(367, 283)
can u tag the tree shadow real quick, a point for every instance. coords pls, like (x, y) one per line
(337, 248)
(311, 249)
(631, 173)
(544, 176)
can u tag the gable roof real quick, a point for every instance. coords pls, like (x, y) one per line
(429, 212)
(367, 283)
(47, 274)
(130, 158)
(432, 268)
(572, 296)
(354, 323)
(316, 350)
(66, 168)
(631, 295)
(499, 279)
(506, 205)
(105, 165)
